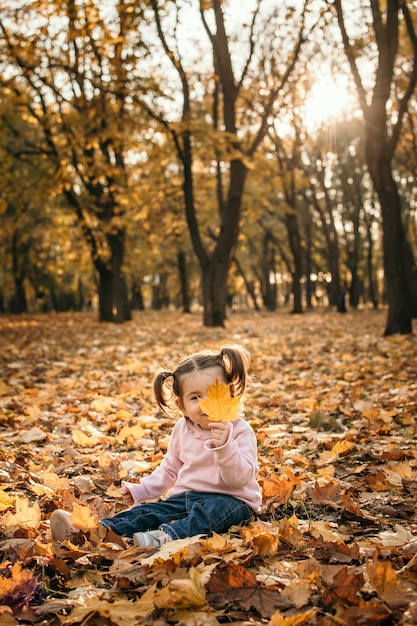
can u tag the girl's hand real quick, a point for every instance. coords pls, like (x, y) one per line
(126, 495)
(219, 433)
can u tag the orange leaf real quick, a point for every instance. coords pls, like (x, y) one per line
(19, 588)
(278, 619)
(219, 404)
(280, 487)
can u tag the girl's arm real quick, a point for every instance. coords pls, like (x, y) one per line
(161, 479)
(237, 459)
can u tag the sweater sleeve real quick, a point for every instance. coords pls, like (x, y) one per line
(162, 478)
(237, 458)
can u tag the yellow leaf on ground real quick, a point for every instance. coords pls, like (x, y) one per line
(83, 440)
(341, 448)
(280, 487)
(292, 620)
(27, 515)
(131, 433)
(6, 501)
(53, 480)
(263, 536)
(219, 404)
(83, 518)
(5, 390)
(146, 603)
(102, 404)
(100, 611)
(124, 414)
(182, 593)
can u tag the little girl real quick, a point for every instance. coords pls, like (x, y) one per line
(208, 476)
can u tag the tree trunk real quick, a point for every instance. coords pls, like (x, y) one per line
(297, 253)
(215, 268)
(395, 245)
(382, 136)
(353, 261)
(370, 264)
(308, 262)
(185, 294)
(269, 288)
(19, 301)
(136, 301)
(330, 234)
(160, 299)
(113, 297)
(214, 281)
(248, 284)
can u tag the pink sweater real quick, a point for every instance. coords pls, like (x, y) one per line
(190, 464)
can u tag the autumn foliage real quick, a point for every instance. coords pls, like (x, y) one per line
(333, 404)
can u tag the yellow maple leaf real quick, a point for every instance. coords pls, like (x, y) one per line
(219, 404)
(28, 515)
(83, 518)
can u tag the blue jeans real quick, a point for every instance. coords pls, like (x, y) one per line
(182, 515)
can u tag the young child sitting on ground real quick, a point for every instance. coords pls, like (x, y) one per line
(207, 480)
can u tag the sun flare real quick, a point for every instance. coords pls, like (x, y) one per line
(327, 102)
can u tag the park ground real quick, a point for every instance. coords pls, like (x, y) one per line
(334, 405)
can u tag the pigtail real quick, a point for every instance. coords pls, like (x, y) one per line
(159, 389)
(236, 363)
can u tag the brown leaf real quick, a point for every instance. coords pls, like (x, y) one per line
(335, 552)
(264, 601)
(329, 494)
(234, 576)
(393, 591)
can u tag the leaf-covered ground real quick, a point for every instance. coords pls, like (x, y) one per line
(334, 407)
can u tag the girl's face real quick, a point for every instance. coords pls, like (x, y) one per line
(193, 387)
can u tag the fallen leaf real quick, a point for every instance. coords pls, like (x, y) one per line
(278, 619)
(182, 593)
(6, 500)
(83, 518)
(219, 405)
(27, 515)
(19, 589)
(392, 591)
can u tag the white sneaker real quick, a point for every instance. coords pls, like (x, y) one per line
(61, 526)
(154, 538)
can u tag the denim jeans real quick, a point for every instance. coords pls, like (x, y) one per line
(182, 515)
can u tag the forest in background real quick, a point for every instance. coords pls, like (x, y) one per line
(173, 155)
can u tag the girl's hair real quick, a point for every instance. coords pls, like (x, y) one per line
(233, 360)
